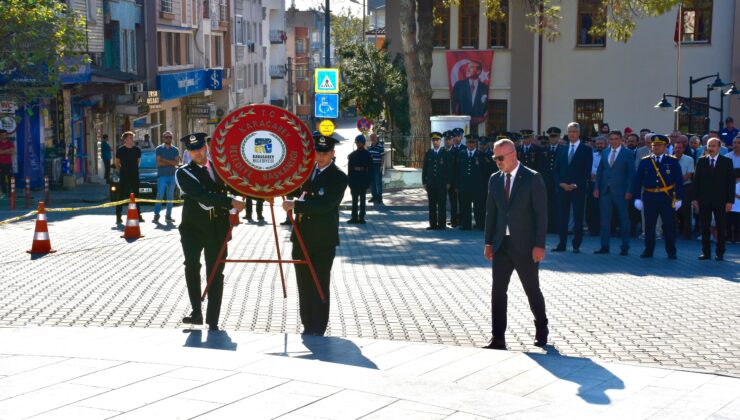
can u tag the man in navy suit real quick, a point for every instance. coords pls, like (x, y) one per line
(613, 189)
(572, 172)
(516, 226)
(470, 96)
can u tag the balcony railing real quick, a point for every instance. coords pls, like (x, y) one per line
(277, 71)
(277, 37)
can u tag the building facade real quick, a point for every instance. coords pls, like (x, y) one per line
(535, 84)
(304, 49)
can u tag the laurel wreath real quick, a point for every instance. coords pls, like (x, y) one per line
(279, 185)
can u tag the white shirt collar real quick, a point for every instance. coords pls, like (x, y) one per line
(617, 150)
(576, 144)
(513, 173)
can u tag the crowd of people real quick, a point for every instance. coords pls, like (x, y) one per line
(601, 186)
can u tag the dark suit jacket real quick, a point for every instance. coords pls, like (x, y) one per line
(318, 213)
(201, 196)
(525, 214)
(463, 103)
(616, 179)
(714, 187)
(578, 171)
(437, 169)
(359, 164)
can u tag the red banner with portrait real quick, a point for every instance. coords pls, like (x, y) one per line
(469, 77)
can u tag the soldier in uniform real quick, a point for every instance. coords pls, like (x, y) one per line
(435, 176)
(359, 165)
(205, 224)
(549, 156)
(660, 176)
(455, 148)
(488, 167)
(467, 180)
(529, 154)
(317, 212)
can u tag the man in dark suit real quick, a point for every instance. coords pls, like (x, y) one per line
(468, 180)
(359, 165)
(317, 219)
(613, 189)
(714, 191)
(572, 172)
(550, 154)
(435, 177)
(470, 96)
(516, 225)
(454, 150)
(529, 154)
(205, 224)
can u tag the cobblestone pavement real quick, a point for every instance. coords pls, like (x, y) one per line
(391, 280)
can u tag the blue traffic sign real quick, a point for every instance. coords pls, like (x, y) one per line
(326, 105)
(326, 81)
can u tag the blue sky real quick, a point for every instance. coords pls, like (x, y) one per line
(336, 5)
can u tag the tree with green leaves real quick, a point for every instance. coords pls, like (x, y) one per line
(346, 30)
(417, 18)
(40, 39)
(374, 83)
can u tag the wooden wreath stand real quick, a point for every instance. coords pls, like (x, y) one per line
(220, 260)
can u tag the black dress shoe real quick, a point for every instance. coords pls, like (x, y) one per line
(602, 250)
(624, 253)
(361, 221)
(352, 221)
(704, 257)
(719, 258)
(540, 336)
(430, 228)
(576, 250)
(672, 257)
(646, 255)
(213, 327)
(285, 223)
(496, 344)
(558, 249)
(193, 319)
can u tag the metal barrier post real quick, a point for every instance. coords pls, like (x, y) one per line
(12, 193)
(46, 189)
(28, 192)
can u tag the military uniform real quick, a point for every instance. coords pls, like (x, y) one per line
(549, 156)
(662, 189)
(317, 218)
(468, 180)
(454, 196)
(359, 165)
(435, 176)
(530, 155)
(488, 167)
(205, 224)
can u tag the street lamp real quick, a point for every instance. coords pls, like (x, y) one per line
(731, 91)
(718, 83)
(665, 105)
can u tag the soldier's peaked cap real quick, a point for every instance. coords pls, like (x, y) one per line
(436, 135)
(554, 130)
(457, 132)
(194, 141)
(324, 143)
(526, 133)
(659, 138)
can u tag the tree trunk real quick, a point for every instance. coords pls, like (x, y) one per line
(417, 52)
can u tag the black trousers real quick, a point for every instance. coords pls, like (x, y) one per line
(259, 206)
(706, 211)
(733, 226)
(6, 172)
(437, 196)
(358, 203)
(125, 188)
(566, 200)
(314, 313)
(106, 175)
(208, 241)
(466, 207)
(593, 211)
(635, 218)
(454, 205)
(552, 206)
(505, 261)
(479, 208)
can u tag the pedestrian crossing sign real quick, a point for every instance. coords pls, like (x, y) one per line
(326, 81)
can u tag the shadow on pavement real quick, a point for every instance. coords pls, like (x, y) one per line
(332, 350)
(593, 379)
(216, 340)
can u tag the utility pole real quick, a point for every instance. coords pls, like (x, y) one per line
(327, 35)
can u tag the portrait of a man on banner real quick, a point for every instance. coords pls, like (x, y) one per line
(469, 78)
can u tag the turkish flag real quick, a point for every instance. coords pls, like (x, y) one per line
(677, 32)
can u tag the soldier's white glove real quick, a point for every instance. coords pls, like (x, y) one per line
(677, 205)
(638, 204)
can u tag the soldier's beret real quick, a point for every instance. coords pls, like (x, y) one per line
(360, 139)
(457, 132)
(659, 138)
(324, 143)
(553, 131)
(436, 135)
(526, 133)
(194, 141)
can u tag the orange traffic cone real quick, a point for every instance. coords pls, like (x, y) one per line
(132, 230)
(234, 217)
(41, 243)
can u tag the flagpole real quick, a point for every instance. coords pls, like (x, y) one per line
(678, 62)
